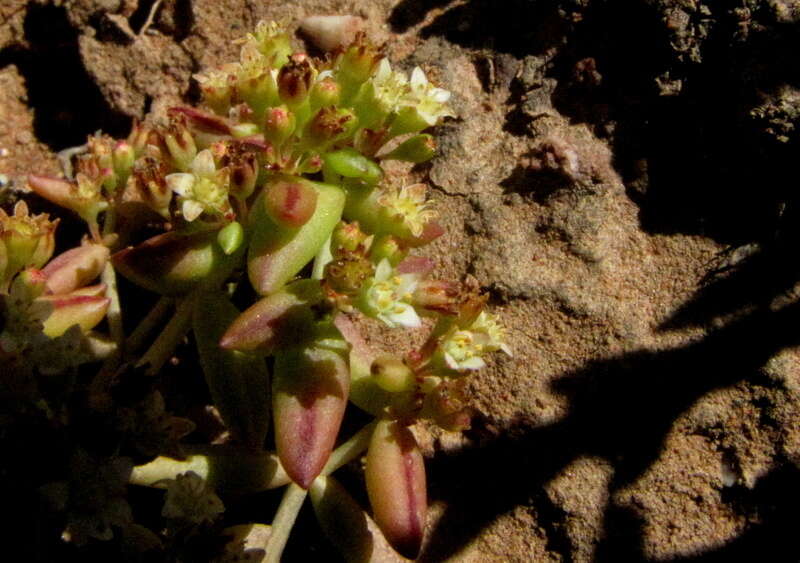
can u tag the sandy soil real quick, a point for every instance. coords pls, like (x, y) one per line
(621, 181)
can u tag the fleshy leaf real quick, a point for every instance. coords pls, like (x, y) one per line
(277, 254)
(239, 383)
(310, 387)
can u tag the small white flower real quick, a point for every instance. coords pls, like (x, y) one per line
(388, 295)
(409, 206)
(429, 101)
(495, 334)
(389, 86)
(203, 188)
(463, 349)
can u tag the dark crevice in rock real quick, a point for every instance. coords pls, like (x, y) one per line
(139, 17)
(67, 104)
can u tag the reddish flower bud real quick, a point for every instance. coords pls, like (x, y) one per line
(359, 60)
(279, 124)
(294, 80)
(242, 161)
(325, 93)
(203, 122)
(150, 186)
(330, 125)
(180, 143)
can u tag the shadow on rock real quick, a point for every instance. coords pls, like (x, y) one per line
(68, 106)
(620, 410)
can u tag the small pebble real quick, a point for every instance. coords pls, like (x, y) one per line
(3, 152)
(331, 32)
(3, 180)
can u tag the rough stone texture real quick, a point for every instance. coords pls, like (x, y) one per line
(620, 180)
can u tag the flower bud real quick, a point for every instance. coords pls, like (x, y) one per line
(256, 81)
(180, 144)
(123, 157)
(290, 203)
(139, 137)
(330, 125)
(442, 296)
(279, 124)
(75, 268)
(358, 61)
(325, 93)
(200, 121)
(243, 165)
(272, 43)
(348, 273)
(231, 237)
(25, 240)
(419, 148)
(294, 80)
(347, 236)
(392, 374)
(387, 247)
(84, 197)
(217, 88)
(150, 185)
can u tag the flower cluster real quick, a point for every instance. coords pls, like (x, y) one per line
(278, 180)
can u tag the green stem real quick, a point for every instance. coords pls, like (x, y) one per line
(350, 449)
(177, 327)
(321, 259)
(114, 315)
(284, 521)
(137, 338)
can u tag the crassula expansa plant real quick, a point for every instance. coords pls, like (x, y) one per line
(264, 222)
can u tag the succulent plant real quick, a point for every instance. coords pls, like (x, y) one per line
(278, 175)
